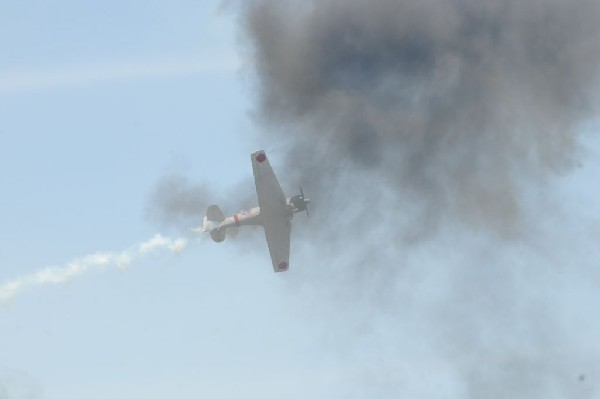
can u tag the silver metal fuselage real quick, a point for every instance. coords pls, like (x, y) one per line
(252, 217)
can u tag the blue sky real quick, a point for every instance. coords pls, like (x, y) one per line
(98, 101)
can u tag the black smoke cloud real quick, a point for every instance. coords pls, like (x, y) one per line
(426, 133)
(455, 103)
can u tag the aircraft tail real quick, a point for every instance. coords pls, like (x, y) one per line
(212, 220)
(215, 214)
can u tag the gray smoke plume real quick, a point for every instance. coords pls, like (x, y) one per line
(457, 103)
(178, 202)
(425, 132)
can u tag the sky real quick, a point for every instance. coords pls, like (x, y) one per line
(98, 102)
(101, 103)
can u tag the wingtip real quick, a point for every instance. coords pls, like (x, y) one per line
(283, 266)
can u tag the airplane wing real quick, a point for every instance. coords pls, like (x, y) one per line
(278, 238)
(274, 213)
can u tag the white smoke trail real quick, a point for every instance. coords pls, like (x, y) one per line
(78, 266)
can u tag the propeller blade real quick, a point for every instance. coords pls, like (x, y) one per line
(305, 202)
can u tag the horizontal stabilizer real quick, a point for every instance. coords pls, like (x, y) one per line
(217, 235)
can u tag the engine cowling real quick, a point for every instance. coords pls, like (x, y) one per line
(298, 202)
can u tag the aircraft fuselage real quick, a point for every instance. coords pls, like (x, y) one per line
(252, 217)
(244, 218)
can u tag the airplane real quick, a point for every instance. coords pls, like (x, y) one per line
(274, 213)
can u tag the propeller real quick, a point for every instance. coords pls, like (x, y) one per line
(306, 202)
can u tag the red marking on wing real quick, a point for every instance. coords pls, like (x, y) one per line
(283, 266)
(261, 157)
(236, 219)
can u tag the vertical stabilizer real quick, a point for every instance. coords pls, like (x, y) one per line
(214, 214)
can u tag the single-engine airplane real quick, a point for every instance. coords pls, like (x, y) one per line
(274, 213)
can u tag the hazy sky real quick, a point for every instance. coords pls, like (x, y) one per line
(100, 101)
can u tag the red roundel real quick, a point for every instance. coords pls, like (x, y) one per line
(283, 266)
(261, 157)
